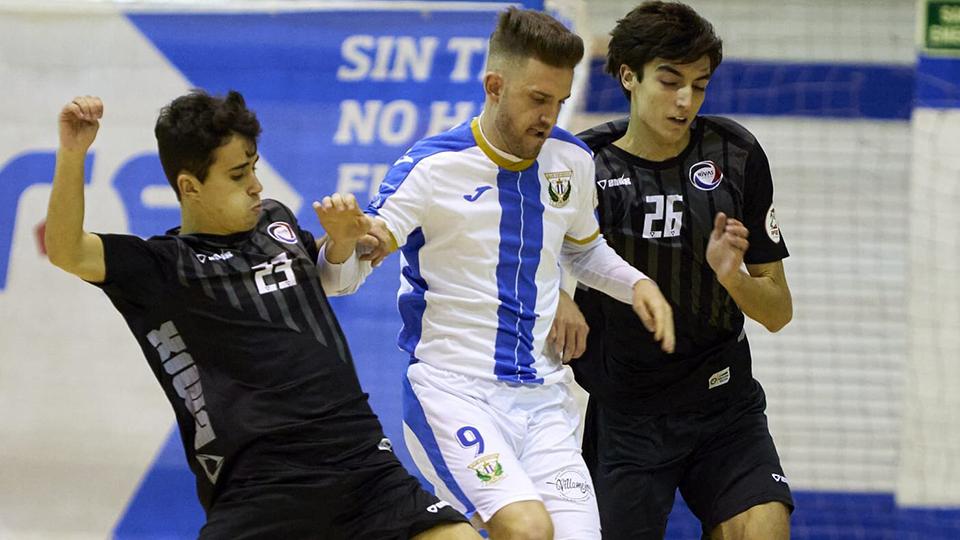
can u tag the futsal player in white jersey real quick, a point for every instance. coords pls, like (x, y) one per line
(484, 215)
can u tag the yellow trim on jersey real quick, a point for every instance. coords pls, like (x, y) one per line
(583, 242)
(393, 242)
(492, 154)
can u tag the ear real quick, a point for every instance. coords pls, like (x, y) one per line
(493, 84)
(627, 77)
(188, 184)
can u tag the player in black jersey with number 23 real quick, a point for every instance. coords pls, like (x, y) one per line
(231, 315)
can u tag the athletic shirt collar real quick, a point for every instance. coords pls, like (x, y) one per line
(502, 159)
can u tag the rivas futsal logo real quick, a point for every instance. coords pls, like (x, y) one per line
(705, 175)
(282, 232)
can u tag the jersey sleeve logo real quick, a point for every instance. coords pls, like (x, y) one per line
(705, 175)
(773, 228)
(558, 187)
(281, 231)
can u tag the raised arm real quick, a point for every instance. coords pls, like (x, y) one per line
(341, 272)
(761, 292)
(69, 247)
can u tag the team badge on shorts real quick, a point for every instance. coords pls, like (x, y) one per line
(281, 231)
(558, 187)
(705, 175)
(488, 469)
(572, 486)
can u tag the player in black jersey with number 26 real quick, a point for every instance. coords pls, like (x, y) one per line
(229, 311)
(688, 200)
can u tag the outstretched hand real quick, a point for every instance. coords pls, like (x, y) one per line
(79, 121)
(341, 217)
(727, 246)
(655, 313)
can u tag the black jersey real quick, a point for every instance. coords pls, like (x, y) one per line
(658, 216)
(240, 336)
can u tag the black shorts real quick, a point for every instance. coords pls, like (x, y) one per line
(724, 462)
(373, 500)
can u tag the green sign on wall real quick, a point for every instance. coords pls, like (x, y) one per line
(942, 29)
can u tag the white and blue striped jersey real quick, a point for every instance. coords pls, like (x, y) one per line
(480, 238)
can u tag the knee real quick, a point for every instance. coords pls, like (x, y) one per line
(525, 526)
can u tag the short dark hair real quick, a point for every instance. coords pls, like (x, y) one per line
(525, 33)
(194, 125)
(668, 30)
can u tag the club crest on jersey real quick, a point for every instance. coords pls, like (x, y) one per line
(488, 469)
(705, 175)
(773, 228)
(282, 232)
(558, 187)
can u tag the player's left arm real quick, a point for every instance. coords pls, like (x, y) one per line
(761, 292)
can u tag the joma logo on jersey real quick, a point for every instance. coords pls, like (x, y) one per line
(558, 187)
(614, 182)
(281, 231)
(705, 175)
(488, 469)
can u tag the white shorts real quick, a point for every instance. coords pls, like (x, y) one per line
(486, 444)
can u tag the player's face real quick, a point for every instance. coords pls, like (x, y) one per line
(529, 104)
(667, 99)
(229, 200)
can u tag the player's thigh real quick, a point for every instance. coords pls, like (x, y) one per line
(456, 442)
(637, 463)
(552, 458)
(766, 521)
(273, 511)
(737, 468)
(526, 520)
(449, 531)
(386, 502)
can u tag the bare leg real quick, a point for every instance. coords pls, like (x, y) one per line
(768, 521)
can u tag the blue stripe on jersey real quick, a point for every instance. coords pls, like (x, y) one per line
(416, 420)
(412, 304)
(564, 135)
(455, 140)
(521, 239)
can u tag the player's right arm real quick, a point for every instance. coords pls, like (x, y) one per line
(341, 272)
(68, 246)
